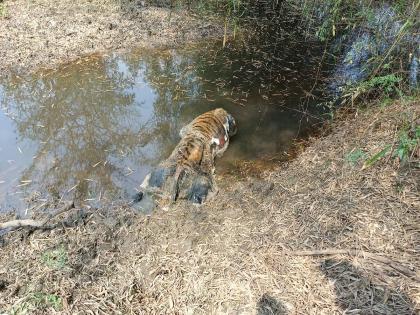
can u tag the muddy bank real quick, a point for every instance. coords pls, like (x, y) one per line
(237, 254)
(43, 33)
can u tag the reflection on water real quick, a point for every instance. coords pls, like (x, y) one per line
(93, 129)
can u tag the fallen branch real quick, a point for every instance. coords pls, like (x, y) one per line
(14, 224)
(354, 252)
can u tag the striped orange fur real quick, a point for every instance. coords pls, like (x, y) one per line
(206, 137)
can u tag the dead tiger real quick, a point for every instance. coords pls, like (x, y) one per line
(202, 140)
(206, 137)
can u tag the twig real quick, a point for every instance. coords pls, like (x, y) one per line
(14, 224)
(354, 252)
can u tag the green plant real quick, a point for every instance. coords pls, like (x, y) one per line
(354, 156)
(401, 6)
(44, 300)
(2, 9)
(385, 85)
(329, 26)
(56, 258)
(408, 141)
(369, 162)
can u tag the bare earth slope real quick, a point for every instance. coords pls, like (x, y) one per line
(238, 254)
(44, 32)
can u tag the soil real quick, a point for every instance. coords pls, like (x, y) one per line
(239, 253)
(44, 33)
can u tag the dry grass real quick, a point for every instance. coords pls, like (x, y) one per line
(235, 255)
(44, 33)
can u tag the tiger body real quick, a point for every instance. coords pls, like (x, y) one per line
(204, 139)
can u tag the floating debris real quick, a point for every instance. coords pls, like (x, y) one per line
(21, 185)
(74, 187)
(96, 164)
(130, 171)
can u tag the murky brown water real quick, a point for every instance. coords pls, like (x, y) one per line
(94, 128)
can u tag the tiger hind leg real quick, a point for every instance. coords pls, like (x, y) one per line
(203, 188)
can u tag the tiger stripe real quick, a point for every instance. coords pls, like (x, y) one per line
(197, 145)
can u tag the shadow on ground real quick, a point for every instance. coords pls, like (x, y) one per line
(267, 305)
(356, 293)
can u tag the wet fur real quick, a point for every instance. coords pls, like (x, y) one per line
(203, 139)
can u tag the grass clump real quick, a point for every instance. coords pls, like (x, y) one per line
(404, 148)
(382, 86)
(3, 10)
(408, 143)
(355, 156)
(36, 302)
(56, 258)
(45, 300)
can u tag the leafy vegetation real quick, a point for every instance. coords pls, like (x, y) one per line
(375, 38)
(408, 142)
(404, 148)
(383, 86)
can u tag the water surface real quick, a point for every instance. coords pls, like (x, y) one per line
(92, 129)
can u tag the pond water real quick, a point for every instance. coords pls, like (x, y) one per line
(92, 129)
